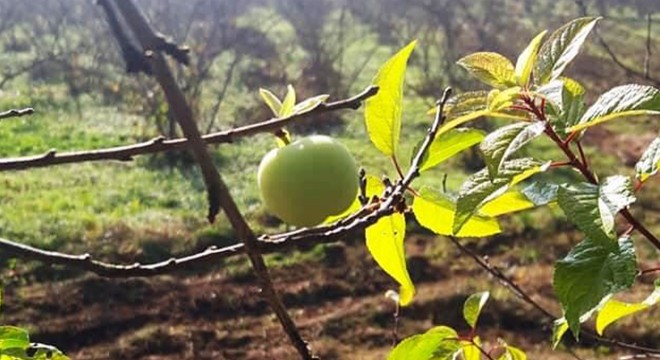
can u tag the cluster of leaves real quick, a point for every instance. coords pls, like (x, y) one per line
(538, 101)
(15, 345)
(444, 343)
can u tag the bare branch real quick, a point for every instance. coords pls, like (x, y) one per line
(126, 153)
(16, 113)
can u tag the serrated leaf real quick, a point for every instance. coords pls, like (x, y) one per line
(614, 310)
(649, 163)
(593, 207)
(507, 203)
(480, 188)
(567, 99)
(383, 111)
(590, 272)
(447, 145)
(271, 100)
(527, 60)
(561, 48)
(439, 343)
(502, 100)
(490, 68)
(499, 145)
(435, 211)
(473, 306)
(541, 193)
(463, 104)
(309, 104)
(621, 101)
(12, 337)
(385, 243)
(289, 102)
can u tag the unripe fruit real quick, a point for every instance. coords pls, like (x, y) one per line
(308, 180)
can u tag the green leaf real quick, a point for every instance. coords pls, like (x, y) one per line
(541, 193)
(447, 145)
(439, 343)
(472, 307)
(502, 100)
(513, 353)
(464, 103)
(453, 123)
(559, 328)
(621, 101)
(490, 68)
(614, 310)
(383, 111)
(385, 243)
(435, 211)
(499, 145)
(309, 104)
(567, 95)
(527, 60)
(271, 100)
(507, 203)
(471, 350)
(480, 188)
(589, 273)
(561, 48)
(593, 207)
(649, 163)
(12, 337)
(289, 102)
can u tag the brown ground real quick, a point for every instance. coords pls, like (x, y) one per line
(337, 301)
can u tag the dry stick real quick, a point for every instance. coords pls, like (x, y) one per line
(159, 144)
(16, 113)
(218, 192)
(176, 100)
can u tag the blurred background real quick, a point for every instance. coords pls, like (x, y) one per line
(59, 56)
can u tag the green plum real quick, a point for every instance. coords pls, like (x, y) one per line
(308, 180)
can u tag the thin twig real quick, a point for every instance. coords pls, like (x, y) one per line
(16, 113)
(159, 144)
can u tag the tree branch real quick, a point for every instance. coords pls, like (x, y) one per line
(16, 113)
(126, 153)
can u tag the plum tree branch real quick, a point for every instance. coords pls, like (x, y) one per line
(160, 144)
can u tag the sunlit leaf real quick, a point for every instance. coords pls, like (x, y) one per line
(527, 59)
(456, 122)
(439, 343)
(309, 104)
(480, 188)
(447, 145)
(289, 102)
(649, 163)
(271, 100)
(501, 100)
(283, 138)
(593, 207)
(621, 101)
(471, 350)
(561, 47)
(614, 310)
(13, 337)
(472, 307)
(385, 243)
(513, 353)
(559, 329)
(435, 211)
(383, 111)
(540, 193)
(490, 68)
(590, 272)
(500, 144)
(463, 104)
(507, 203)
